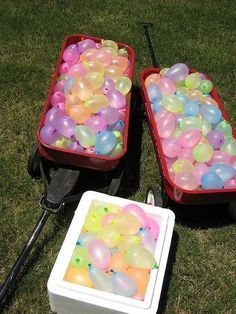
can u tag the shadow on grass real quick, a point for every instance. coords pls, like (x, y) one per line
(201, 216)
(168, 273)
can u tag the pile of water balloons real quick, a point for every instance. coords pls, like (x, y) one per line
(197, 142)
(115, 250)
(89, 99)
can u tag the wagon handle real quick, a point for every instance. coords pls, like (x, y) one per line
(61, 186)
(146, 26)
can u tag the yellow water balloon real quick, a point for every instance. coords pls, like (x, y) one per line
(110, 43)
(94, 66)
(96, 102)
(96, 79)
(123, 84)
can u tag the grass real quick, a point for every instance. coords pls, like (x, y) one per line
(201, 269)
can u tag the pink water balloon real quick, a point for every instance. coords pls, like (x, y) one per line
(99, 254)
(71, 56)
(153, 228)
(57, 97)
(171, 147)
(219, 157)
(138, 212)
(96, 124)
(189, 138)
(59, 87)
(160, 114)
(167, 86)
(186, 153)
(166, 125)
(199, 169)
(64, 68)
(186, 180)
(77, 70)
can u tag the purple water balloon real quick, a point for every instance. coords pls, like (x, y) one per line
(215, 138)
(119, 126)
(75, 146)
(65, 126)
(108, 85)
(177, 72)
(111, 115)
(116, 99)
(53, 115)
(57, 97)
(96, 123)
(49, 134)
(86, 44)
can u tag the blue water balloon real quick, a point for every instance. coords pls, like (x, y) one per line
(184, 99)
(156, 105)
(105, 143)
(153, 92)
(192, 107)
(211, 113)
(225, 172)
(211, 180)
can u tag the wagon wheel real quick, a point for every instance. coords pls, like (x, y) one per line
(116, 176)
(232, 210)
(156, 197)
(33, 166)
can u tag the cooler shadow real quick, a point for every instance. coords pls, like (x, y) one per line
(168, 273)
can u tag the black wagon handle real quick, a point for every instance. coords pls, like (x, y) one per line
(147, 26)
(53, 201)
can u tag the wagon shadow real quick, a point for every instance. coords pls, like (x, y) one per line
(202, 216)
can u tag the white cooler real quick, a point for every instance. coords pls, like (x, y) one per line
(70, 298)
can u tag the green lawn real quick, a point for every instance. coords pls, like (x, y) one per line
(202, 266)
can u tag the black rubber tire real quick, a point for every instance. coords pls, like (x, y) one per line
(232, 210)
(154, 196)
(116, 176)
(33, 166)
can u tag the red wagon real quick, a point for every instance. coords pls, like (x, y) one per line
(82, 159)
(169, 188)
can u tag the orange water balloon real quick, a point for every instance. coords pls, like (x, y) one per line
(79, 276)
(118, 262)
(141, 278)
(94, 66)
(87, 54)
(79, 114)
(113, 72)
(121, 62)
(153, 78)
(72, 100)
(82, 88)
